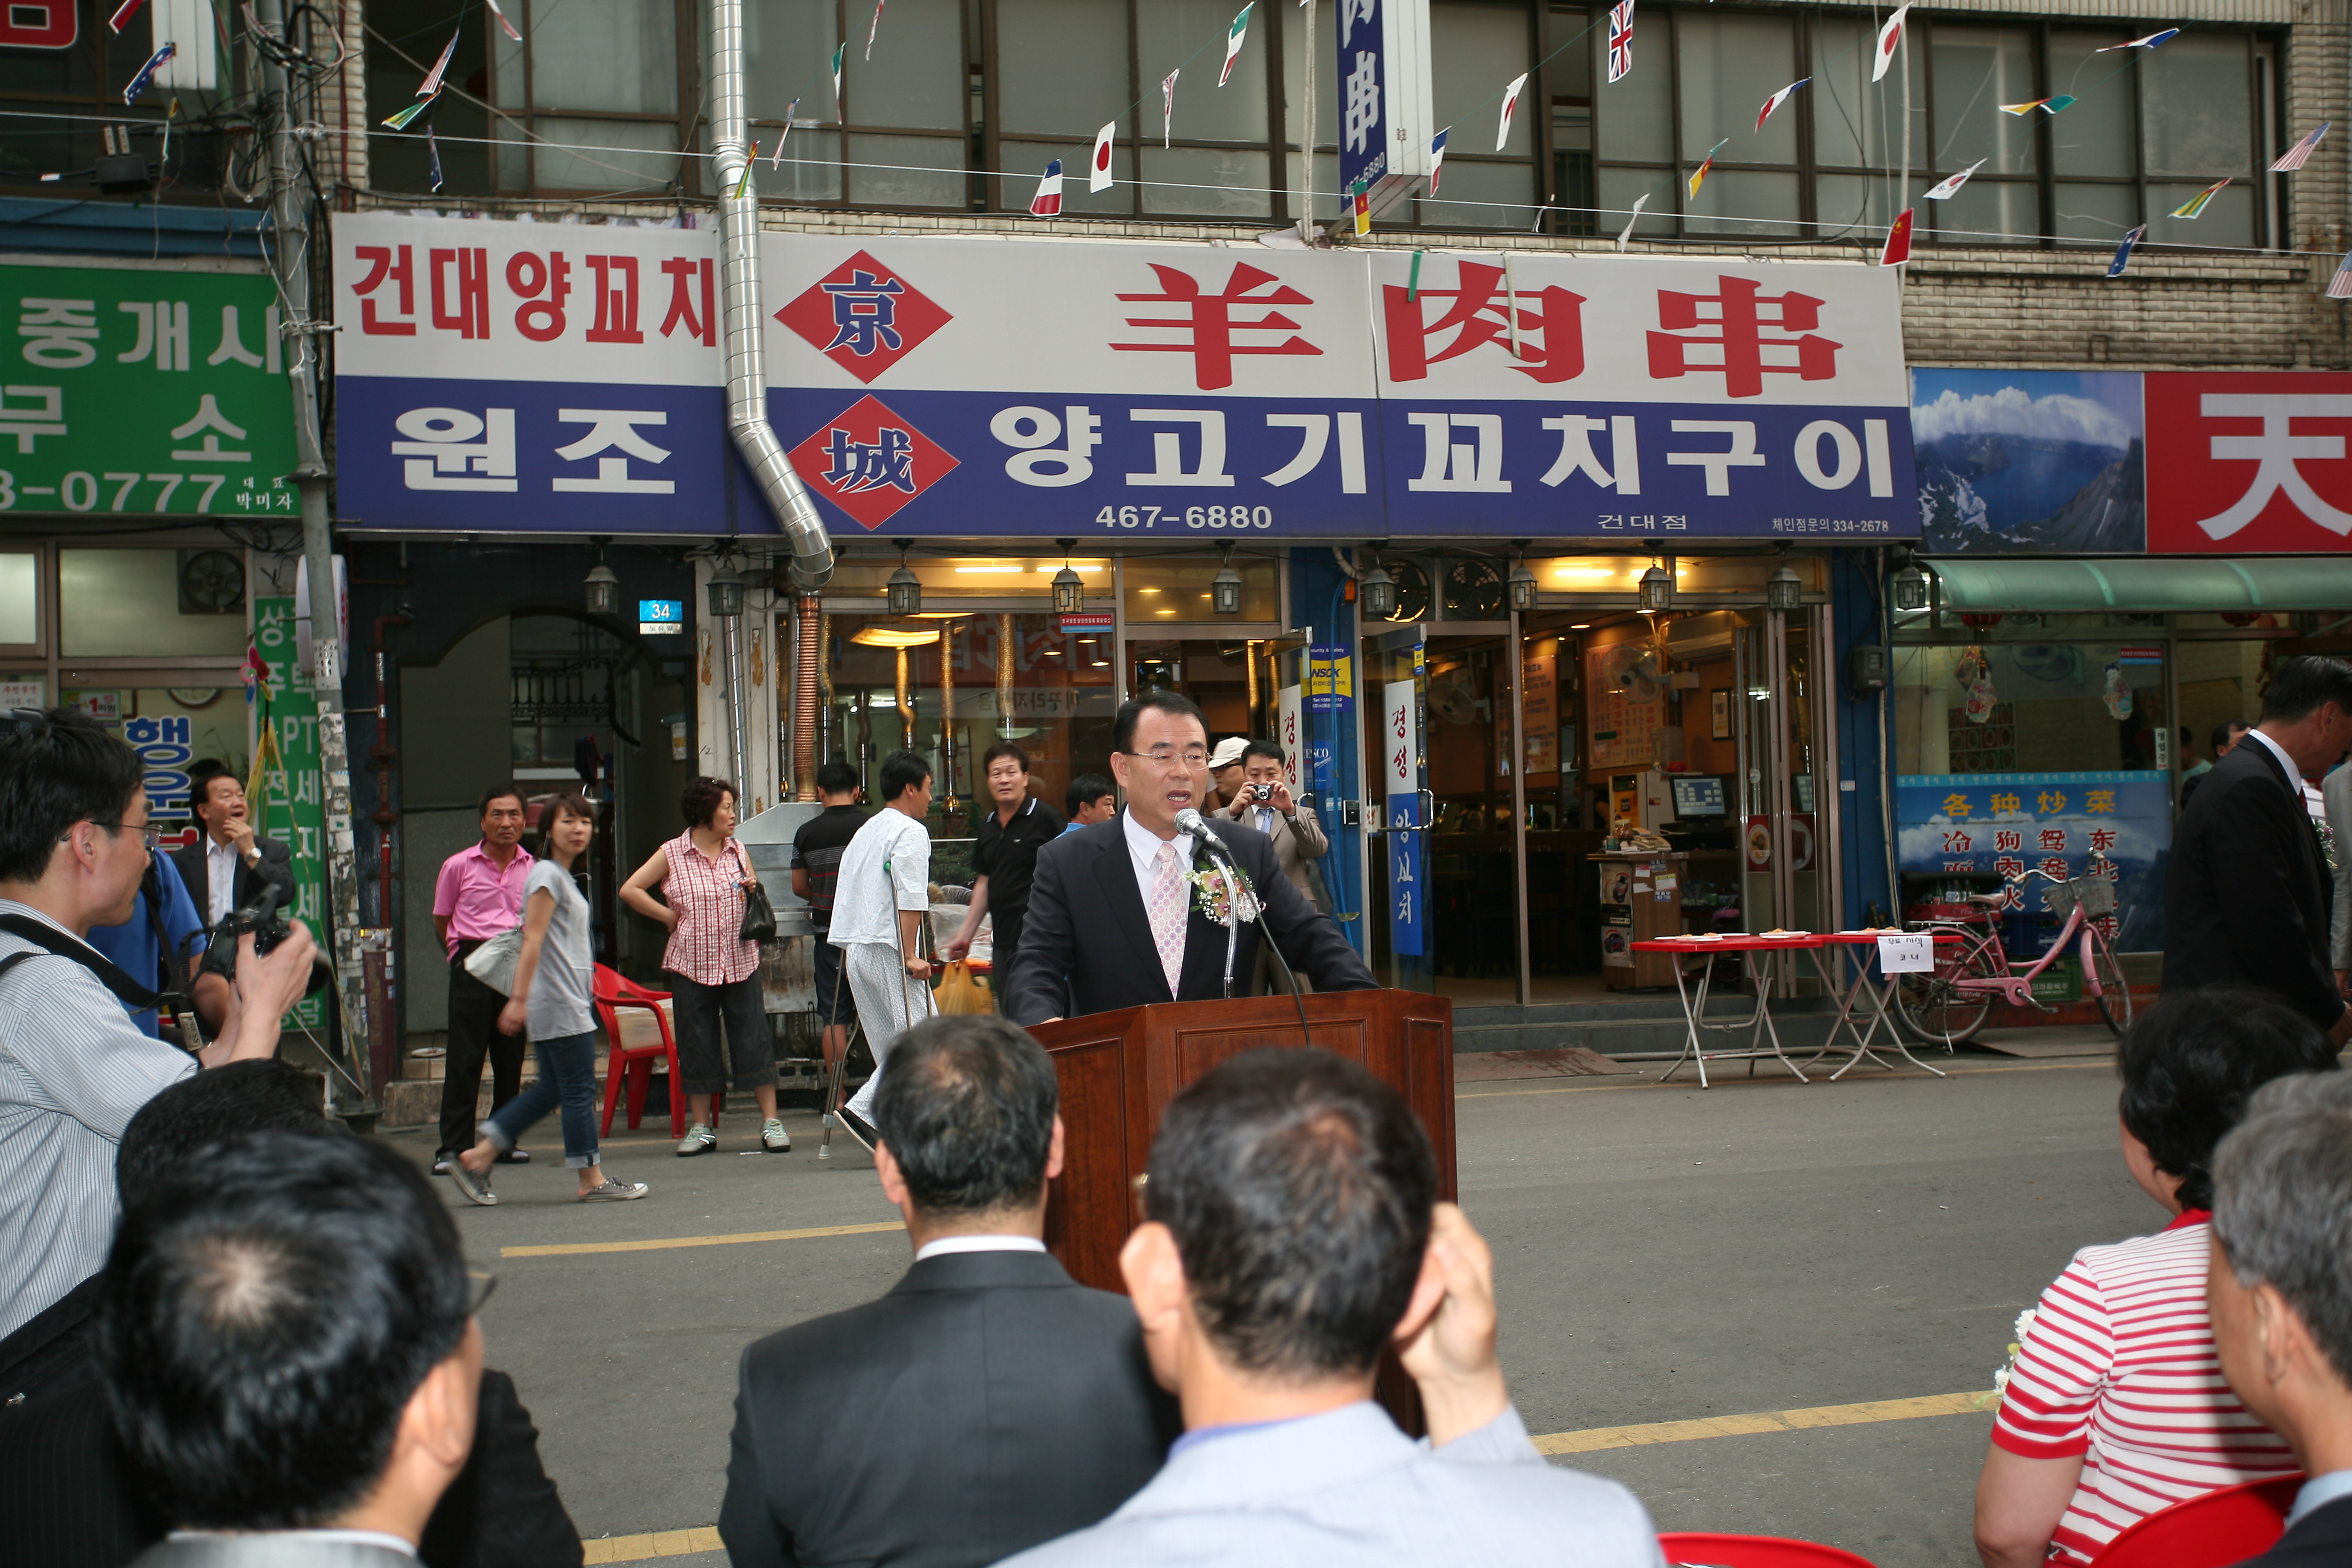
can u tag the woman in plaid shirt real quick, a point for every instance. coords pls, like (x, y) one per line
(714, 973)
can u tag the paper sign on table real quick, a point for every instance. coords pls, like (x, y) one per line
(1906, 952)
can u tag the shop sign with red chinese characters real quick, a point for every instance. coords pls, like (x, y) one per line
(2248, 463)
(502, 376)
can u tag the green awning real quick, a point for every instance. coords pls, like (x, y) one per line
(2140, 583)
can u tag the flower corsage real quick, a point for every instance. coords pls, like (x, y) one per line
(2024, 1326)
(1211, 895)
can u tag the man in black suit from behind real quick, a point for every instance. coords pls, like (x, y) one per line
(1095, 941)
(988, 1403)
(2246, 895)
(2280, 1291)
(229, 849)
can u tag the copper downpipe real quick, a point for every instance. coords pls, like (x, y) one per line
(807, 676)
(1007, 655)
(947, 714)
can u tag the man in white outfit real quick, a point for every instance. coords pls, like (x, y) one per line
(879, 903)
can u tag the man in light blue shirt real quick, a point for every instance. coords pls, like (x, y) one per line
(1269, 1334)
(2281, 1294)
(134, 947)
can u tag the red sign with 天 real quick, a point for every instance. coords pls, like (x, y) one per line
(2249, 463)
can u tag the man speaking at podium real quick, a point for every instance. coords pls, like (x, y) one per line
(1131, 911)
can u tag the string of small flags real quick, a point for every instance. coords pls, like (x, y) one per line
(2195, 205)
(1098, 172)
(1437, 158)
(1235, 36)
(2123, 251)
(1699, 175)
(2340, 286)
(1047, 201)
(1777, 99)
(1167, 104)
(1951, 187)
(1620, 40)
(2294, 157)
(1511, 106)
(1890, 37)
(138, 83)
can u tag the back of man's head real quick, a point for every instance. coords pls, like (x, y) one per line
(967, 1111)
(836, 777)
(57, 766)
(2189, 1065)
(268, 1312)
(2283, 1204)
(1299, 1189)
(228, 1102)
(2299, 685)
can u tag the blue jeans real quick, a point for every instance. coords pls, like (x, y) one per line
(567, 1077)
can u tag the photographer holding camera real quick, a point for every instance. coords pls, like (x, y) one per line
(74, 841)
(1262, 801)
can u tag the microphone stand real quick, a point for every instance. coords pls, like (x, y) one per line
(1236, 882)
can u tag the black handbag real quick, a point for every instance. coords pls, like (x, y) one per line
(758, 915)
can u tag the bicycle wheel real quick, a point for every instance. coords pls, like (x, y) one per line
(2114, 997)
(1934, 1006)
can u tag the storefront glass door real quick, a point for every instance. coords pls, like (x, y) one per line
(1786, 776)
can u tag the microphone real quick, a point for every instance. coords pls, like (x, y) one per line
(1191, 821)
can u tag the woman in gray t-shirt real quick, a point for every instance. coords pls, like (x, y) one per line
(553, 996)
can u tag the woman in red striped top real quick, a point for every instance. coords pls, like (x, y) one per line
(2116, 1407)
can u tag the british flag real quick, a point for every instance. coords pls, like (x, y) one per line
(2296, 156)
(1621, 39)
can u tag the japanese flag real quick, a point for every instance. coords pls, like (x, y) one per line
(1235, 34)
(1098, 172)
(1890, 38)
(1510, 107)
(1898, 241)
(1951, 187)
(1047, 201)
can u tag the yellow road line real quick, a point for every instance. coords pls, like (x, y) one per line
(662, 1244)
(1596, 1438)
(1692, 1082)
(679, 1542)
(660, 1543)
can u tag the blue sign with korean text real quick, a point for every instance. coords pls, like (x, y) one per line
(661, 615)
(1407, 918)
(504, 377)
(2006, 824)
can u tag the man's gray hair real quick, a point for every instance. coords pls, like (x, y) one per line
(2283, 1204)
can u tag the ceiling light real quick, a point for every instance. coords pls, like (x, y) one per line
(1657, 590)
(1378, 593)
(601, 590)
(1910, 586)
(979, 571)
(884, 634)
(725, 591)
(1581, 626)
(1784, 590)
(904, 590)
(1523, 584)
(1225, 588)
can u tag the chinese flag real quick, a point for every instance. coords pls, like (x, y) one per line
(1898, 241)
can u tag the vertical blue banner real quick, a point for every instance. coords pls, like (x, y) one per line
(1407, 917)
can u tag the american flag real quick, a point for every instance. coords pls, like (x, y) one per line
(1621, 39)
(2340, 286)
(2296, 156)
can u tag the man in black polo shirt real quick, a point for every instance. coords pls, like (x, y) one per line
(817, 867)
(1005, 858)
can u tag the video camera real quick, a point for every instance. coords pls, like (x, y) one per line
(265, 917)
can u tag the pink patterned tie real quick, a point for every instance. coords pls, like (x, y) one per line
(1167, 914)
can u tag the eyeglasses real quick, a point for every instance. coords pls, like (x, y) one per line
(149, 833)
(1192, 758)
(480, 1286)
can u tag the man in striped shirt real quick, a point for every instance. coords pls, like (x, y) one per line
(2117, 1406)
(74, 1068)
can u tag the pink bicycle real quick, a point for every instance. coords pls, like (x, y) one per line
(1951, 1002)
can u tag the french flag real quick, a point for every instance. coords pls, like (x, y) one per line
(1047, 201)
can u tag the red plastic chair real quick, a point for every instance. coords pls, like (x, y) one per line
(2210, 1531)
(1702, 1547)
(634, 1063)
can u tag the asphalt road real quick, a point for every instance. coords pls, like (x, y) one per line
(1663, 1254)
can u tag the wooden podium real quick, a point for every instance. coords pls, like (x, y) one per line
(1118, 1072)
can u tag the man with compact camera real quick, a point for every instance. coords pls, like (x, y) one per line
(74, 841)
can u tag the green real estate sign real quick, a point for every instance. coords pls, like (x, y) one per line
(143, 389)
(291, 806)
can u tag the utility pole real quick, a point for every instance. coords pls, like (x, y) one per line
(292, 244)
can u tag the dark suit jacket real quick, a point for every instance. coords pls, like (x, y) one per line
(70, 1499)
(2322, 1538)
(987, 1404)
(195, 866)
(1088, 947)
(2245, 896)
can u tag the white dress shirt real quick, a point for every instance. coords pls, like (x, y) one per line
(1143, 849)
(941, 1245)
(2279, 752)
(2319, 1492)
(221, 862)
(323, 1537)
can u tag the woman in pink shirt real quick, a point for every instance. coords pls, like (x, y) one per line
(714, 973)
(2117, 1406)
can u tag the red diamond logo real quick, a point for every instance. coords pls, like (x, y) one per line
(864, 317)
(869, 462)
